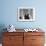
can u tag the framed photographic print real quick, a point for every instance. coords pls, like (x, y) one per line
(26, 14)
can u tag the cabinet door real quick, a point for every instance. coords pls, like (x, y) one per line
(37, 40)
(13, 40)
(27, 40)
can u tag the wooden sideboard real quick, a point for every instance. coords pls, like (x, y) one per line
(23, 39)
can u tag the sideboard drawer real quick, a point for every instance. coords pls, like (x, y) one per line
(34, 33)
(13, 33)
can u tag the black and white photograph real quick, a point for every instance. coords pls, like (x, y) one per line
(26, 14)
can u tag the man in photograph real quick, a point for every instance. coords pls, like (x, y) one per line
(26, 16)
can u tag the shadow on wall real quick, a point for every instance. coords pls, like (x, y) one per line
(2, 26)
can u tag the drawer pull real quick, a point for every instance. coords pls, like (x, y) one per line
(33, 39)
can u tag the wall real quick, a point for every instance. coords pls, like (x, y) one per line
(9, 13)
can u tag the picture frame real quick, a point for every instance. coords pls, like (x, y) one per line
(26, 14)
